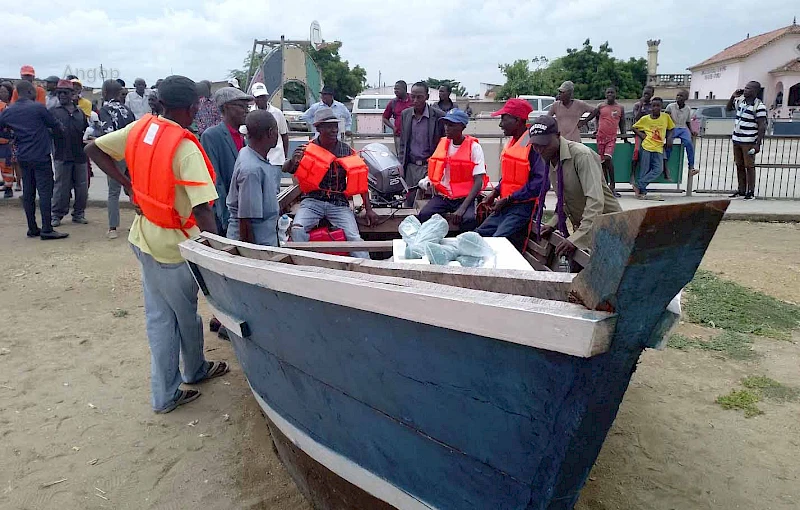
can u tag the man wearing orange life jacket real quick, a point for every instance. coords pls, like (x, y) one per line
(456, 172)
(523, 179)
(329, 173)
(172, 183)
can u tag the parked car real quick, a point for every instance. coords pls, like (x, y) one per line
(713, 112)
(293, 117)
(540, 104)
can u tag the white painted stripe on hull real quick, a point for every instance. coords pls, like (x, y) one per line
(341, 465)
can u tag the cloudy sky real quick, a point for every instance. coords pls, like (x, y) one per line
(408, 40)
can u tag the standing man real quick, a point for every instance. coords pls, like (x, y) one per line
(174, 328)
(392, 115)
(70, 160)
(223, 142)
(327, 101)
(457, 173)
(577, 178)
(681, 115)
(523, 175)
(748, 133)
(445, 103)
(419, 136)
(27, 73)
(252, 201)
(31, 122)
(51, 100)
(329, 173)
(208, 114)
(642, 106)
(113, 117)
(568, 111)
(277, 155)
(654, 131)
(138, 102)
(611, 116)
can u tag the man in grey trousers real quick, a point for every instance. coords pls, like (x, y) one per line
(69, 159)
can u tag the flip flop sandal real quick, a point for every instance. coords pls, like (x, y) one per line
(217, 368)
(184, 397)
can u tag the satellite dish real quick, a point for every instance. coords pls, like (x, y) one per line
(316, 35)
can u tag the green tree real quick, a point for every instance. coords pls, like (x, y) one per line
(591, 71)
(455, 86)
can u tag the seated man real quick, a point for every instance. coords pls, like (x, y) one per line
(522, 176)
(329, 173)
(252, 200)
(457, 172)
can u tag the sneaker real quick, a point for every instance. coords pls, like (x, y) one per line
(9, 193)
(81, 220)
(112, 234)
(48, 236)
(617, 194)
(749, 196)
(736, 196)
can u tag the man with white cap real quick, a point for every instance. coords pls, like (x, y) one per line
(277, 155)
(569, 111)
(223, 142)
(233, 82)
(577, 177)
(329, 172)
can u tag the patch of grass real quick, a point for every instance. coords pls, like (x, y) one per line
(733, 345)
(741, 399)
(720, 303)
(119, 313)
(770, 388)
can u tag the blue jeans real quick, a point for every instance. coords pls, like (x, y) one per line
(174, 328)
(651, 165)
(340, 216)
(114, 189)
(686, 140)
(511, 223)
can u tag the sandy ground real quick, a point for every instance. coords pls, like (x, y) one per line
(74, 398)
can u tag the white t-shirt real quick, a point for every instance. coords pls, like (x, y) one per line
(476, 156)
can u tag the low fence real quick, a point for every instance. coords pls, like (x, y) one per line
(777, 167)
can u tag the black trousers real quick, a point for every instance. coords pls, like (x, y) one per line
(443, 205)
(37, 176)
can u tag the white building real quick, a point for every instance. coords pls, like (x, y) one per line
(773, 59)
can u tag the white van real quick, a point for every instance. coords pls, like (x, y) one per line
(368, 113)
(540, 104)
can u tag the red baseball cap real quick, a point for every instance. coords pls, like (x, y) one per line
(517, 107)
(27, 71)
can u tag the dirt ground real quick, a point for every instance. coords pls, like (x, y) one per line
(74, 398)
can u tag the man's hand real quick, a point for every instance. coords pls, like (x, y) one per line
(546, 231)
(738, 92)
(457, 216)
(565, 248)
(500, 204)
(668, 144)
(298, 154)
(372, 217)
(756, 148)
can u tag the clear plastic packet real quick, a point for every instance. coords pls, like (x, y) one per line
(440, 254)
(468, 261)
(409, 228)
(472, 244)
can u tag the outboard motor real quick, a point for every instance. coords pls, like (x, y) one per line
(386, 184)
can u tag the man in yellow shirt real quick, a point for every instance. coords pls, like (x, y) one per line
(174, 328)
(655, 131)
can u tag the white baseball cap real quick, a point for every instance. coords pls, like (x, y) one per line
(233, 82)
(259, 89)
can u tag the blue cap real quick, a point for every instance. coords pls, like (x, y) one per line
(458, 116)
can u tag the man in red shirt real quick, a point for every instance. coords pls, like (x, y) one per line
(611, 117)
(394, 110)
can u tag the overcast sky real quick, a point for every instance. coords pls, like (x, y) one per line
(409, 40)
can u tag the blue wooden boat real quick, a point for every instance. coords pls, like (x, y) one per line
(390, 385)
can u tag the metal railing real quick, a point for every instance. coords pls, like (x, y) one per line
(777, 166)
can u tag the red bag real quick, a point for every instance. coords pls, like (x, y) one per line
(323, 234)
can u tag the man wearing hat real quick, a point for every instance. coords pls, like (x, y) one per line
(577, 177)
(69, 158)
(174, 329)
(27, 73)
(32, 124)
(327, 101)
(223, 142)
(81, 102)
(456, 172)
(523, 179)
(326, 187)
(50, 83)
(569, 111)
(277, 155)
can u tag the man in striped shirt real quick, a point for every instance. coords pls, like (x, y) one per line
(748, 133)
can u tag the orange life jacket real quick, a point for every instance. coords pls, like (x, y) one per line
(460, 164)
(152, 143)
(515, 167)
(317, 161)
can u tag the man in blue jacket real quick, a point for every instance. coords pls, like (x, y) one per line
(223, 142)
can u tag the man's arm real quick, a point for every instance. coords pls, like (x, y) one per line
(761, 120)
(285, 142)
(204, 217)
(348, 120)
(387, 114)
(622, 120)
(290, 166)
(590, 175)
(594, 113)
(109, 167)
(246, 231)
(637, 111)
(308, 115)
(731, 105)
(536, 178)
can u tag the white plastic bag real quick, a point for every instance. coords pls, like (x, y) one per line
(472, 244)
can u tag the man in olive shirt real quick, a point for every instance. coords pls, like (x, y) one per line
(577, 178)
